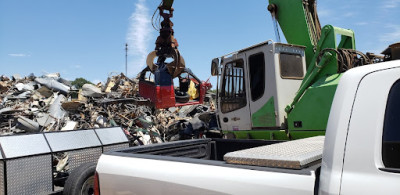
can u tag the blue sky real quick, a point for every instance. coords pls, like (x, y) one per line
(86, 38)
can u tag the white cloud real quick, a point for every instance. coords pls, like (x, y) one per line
(392, 35)
(324, 12)
(21, 55)
(390, 4)
(138, 37)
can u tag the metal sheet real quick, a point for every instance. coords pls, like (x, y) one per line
(2, 177)
(79, 157)
(292, 154)
(71, 140)
(31, 175)
(23, 145)
(1, 155)
(111, 135)
(115, 147)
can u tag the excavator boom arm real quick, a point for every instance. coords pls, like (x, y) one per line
(299, 22)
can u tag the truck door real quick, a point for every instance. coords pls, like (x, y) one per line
(233, 98)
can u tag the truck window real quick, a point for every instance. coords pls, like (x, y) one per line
(291, 66)
(257, 75)
(233, 94)
(391, 129)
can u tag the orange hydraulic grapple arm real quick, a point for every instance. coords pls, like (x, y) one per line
(166, 44)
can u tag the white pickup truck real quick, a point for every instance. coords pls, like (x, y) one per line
(360, 153)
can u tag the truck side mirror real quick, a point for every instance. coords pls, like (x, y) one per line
(214, 67)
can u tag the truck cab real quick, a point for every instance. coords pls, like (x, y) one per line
(256, 85)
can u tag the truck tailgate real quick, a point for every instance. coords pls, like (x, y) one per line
(136, 175)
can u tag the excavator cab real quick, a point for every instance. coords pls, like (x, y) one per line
(160, 89)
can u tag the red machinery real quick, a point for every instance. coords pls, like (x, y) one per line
(162, 92)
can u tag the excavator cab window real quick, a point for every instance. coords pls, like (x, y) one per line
(291, 66)
(233, 94)
(184, 82)
(181, 94)
(257, 75)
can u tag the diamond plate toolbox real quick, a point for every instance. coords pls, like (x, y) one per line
(26, 161)
(23, 145)
(72, 140)
(30, 175)
(113, 135)
(26, 166)
(292, 154)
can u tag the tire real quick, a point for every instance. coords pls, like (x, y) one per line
(182, 99)
(81, 180)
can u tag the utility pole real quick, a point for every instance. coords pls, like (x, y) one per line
(126, 59)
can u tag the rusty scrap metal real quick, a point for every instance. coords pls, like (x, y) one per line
(392, 52)
(27, 106)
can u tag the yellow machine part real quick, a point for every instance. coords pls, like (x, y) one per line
(193, 92)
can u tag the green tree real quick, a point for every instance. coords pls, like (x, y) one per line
(79, 82)
(212, 91)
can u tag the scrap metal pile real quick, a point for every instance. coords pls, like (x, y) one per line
(50, 103)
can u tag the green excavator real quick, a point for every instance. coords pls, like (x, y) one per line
(283, 91)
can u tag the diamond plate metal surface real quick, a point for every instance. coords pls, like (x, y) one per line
(30, 175)
(115, 147)
(2, 177)
(23, 145)
(63, 141)
(79, 157)
(292, 154)
(111, 135)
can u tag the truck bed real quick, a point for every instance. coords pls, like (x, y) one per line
(204, 151)
(194, 165)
